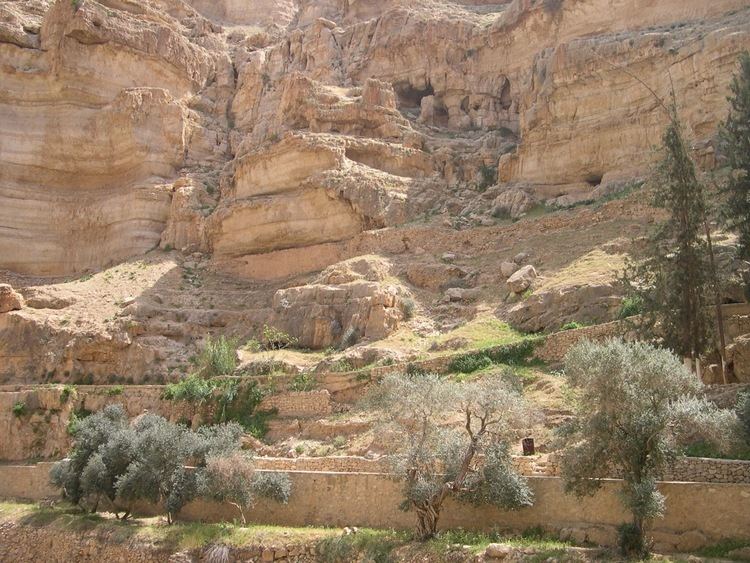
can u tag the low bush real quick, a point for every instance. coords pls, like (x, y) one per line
(275, 339)
(19, 409)
(302, 382)
(68, 392)
(630, 307)
(218, 357)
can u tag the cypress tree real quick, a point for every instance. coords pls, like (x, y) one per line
(673, 276)
(735, 142)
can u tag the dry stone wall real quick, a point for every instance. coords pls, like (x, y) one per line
(697, 513)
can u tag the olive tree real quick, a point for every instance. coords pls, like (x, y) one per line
(636, 406)
(232, 479)
(436, 459)
(157, 461)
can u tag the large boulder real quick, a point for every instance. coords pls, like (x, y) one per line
(739, 354)
(10, 300)
(550, 309)
(513, 203)
(522, 279)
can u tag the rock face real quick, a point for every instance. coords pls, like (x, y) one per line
(118, 118)
(9, 299)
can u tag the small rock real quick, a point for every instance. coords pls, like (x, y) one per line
(507, 269)
(190, 265)
(127, 301)
(10, 300)
(521, 280)
(448, 257)
(498, 551)
(521, 258)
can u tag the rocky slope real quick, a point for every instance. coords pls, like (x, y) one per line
(260, 143)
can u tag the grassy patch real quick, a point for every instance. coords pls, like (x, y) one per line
(723, 548)
(596, 266)
(515, 354)
(366, 545)
(484, 332)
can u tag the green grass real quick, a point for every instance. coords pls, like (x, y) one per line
(484, 332)
(519, 353)
(723, 548)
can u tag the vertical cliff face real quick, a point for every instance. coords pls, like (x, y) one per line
(110, 108)
(101, 110)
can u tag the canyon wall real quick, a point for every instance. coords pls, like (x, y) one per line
(110, 110)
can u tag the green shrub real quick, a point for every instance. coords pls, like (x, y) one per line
(469, 363)
(193, 389)
(218, 357)
(630, 307)
(115, 390)
(339, 442)
(743, 412)
(408, 306)
(414, 370)
(19, 409)
(275, 339)
(516, 353)
(573, 325)
(68, 392)
(302, 382)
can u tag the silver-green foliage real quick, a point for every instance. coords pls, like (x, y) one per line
(636, 406)
(435, 460)
(151, 460)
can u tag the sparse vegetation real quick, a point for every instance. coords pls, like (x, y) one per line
(115, 390)
(18, 409)
(408, 306)
(303, 382)
(572, 325)
(68, 392)
(275, 339)
(218, 357)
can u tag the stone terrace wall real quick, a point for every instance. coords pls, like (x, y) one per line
(705, 470)
(42, 431)
(556, 345)
(697, 513)
(302, 403)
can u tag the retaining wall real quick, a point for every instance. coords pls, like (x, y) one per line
(697, 513)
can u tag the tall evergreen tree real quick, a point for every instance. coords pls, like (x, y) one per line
(673, 276)
(735, 138)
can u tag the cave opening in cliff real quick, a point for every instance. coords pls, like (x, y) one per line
(410, 96)
(594, 179)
